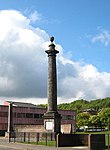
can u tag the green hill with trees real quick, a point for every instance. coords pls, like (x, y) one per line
(101, 107)
(81, 105)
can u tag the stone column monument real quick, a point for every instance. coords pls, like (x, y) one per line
(52, 119)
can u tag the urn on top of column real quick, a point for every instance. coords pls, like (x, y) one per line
(52, 47)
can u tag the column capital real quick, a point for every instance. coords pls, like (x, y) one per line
(52, 51)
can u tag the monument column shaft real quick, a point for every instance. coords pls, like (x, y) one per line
(52, 83)
(52, 119)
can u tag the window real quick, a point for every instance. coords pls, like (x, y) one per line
(3, 114)
(68, 117)
(36, 115)
(29, 115)
(40, 115)
(20, 115)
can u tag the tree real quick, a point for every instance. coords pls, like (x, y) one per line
(94, 121)
(104, 116)
(83, 119)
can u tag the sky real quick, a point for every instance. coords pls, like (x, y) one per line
(82, 35)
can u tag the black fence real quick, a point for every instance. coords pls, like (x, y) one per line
(34, 138)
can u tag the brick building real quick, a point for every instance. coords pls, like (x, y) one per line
(30, 114)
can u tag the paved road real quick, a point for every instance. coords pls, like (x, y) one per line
(5, 145)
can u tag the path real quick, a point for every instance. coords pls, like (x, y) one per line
(5, 145)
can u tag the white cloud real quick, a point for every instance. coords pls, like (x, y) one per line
(89, 72)
(34, 16)
(22, 58)
(23, 65)
(83, 82)
(103, 37)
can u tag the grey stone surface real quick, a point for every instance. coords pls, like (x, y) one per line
(52, 80)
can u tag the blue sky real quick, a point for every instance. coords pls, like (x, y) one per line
(73, 23)
(80, 27)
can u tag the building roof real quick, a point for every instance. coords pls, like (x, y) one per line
(91, 111)
(21, 104)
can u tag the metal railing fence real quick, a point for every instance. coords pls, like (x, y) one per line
(34, 138)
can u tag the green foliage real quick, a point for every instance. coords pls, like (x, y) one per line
(94, 121)
(49, 143)
(99, 103)
(102, 106)
(80, 105)
(43, 105)
(77, 105)
(83, 119)
(105, 116)
(64, 106)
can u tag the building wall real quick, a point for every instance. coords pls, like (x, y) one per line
(32, 116)
(3, 117)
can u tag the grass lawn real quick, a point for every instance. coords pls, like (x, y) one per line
(49, 143)
(103, 132)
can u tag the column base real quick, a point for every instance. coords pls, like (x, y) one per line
(52, 122)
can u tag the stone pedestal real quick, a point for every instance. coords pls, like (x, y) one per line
(52, 122)
(51, 118)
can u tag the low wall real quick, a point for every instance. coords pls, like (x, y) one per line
(64, 140)
(93, 141)
(97, 141)
(29, 128)
(65, 128)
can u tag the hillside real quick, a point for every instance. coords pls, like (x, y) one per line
(80, 105)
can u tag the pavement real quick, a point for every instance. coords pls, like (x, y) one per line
(5, 145)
